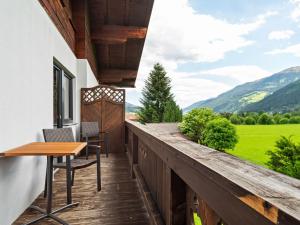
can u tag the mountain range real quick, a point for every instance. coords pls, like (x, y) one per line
(130, 108)
(267, 94)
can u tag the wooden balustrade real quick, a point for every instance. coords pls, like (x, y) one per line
(180, 179)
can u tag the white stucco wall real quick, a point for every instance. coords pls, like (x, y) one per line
(28, 42)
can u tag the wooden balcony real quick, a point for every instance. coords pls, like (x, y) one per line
(119, 201)
(166, 179)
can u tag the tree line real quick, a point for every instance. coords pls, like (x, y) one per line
(263, 118)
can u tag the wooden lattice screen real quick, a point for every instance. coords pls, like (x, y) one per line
(107, 106)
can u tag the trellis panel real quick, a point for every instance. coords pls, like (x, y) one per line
(107, 106)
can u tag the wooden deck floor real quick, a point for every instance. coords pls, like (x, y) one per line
(118, 203)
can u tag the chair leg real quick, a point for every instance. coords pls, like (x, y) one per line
(106, 151)
(73, 176)
(98, 171)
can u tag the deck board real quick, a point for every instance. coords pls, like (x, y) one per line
(118, 203)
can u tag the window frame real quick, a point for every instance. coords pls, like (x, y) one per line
(62, 73)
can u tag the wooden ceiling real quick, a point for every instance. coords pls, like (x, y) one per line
(110, 34)
(118, 30)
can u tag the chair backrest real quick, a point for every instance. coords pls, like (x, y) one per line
(59, 135)
(90, 129)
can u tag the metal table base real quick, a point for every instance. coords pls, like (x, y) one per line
(48, 213)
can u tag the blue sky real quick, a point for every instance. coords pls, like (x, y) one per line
(210, 46)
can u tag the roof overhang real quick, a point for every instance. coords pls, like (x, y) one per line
(118, 30)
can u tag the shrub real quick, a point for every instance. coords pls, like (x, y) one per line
(265, 119)
(194, 122)
(295, 120)
(220, 134)
(250, 120)
(236, 119)
(284, 121)
(286, 158)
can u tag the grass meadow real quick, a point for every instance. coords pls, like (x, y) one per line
(256, 140)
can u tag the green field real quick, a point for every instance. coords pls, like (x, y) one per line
(256, 140)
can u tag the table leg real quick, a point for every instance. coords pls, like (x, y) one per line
(69, 182)
(49, 183)
(49, 213)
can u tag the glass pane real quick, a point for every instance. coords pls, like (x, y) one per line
(66, 97)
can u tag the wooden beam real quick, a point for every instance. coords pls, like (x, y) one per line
(112, 34)
(119, 83)
(116, 75)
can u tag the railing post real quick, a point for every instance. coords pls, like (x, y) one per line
(176, 199)
(135, 149)
(126, 135)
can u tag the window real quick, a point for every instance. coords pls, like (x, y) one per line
(62, 96)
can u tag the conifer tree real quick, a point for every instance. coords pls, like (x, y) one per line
(172, 113)
(155, 96)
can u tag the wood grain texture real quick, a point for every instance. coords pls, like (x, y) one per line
(118, 203)
(110, 34)
(46, 148)
(118, 31)
(60, 15)
(107, 106)
(235, 190)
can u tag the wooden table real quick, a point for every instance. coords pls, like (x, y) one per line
(50, 150)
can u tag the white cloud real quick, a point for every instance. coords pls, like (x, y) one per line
(188, 91)
(241, 73)
(295, 14)
(178, 34)
(281, 34)
(292, 49)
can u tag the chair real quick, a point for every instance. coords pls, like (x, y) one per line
(66, 135)
(90, 133)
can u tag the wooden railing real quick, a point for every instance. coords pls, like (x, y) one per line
(180, 179)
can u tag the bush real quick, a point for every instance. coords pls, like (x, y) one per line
(236, 119)
(250, 120)
(295, 120)
(286, 158)
(220, 134)
(265, 119)
(194, 123)
(284, 121)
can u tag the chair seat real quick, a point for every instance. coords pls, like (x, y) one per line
(77, 163)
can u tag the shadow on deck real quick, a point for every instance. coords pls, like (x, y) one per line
(118, 203)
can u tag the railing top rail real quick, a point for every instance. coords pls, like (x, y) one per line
(272, 194)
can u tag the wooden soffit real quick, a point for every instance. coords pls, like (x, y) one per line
(110, 34)
(118, 29)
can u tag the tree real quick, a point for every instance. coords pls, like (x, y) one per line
(194, 123)
(172, 112)
(265, 119)
(249, 120)
(277, 118)
(284, 120)
(295, 120)
(286, 158)
(236, 119)
(155, 95)
(220, 134)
